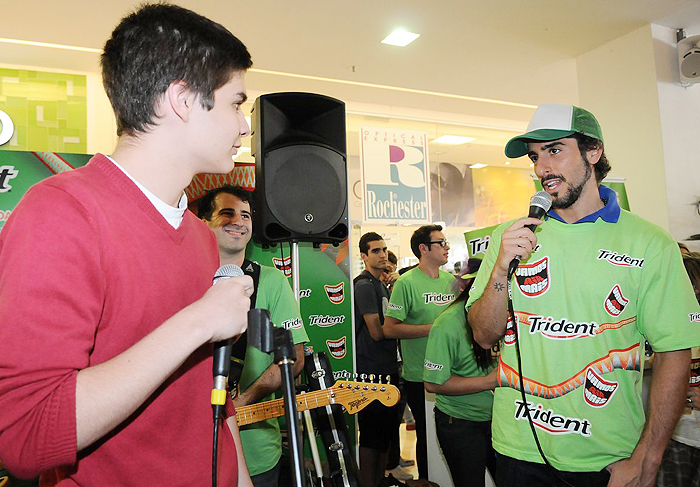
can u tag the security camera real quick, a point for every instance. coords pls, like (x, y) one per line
(689, 59)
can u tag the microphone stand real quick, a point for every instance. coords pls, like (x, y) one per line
(266, 337)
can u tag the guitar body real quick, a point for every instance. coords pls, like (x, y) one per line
(331, 425)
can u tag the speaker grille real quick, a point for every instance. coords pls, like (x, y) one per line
(309, 186)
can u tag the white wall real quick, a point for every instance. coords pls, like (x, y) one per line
(679, 112)
(617, 83)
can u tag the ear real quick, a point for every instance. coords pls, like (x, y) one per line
(423, 248)
(593, 155)
(180, 99)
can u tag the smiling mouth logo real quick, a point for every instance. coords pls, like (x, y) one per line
(597, 391)
(285, 265)
(336, 294)
(337, 347)
(533, 279)
(695, 373)
(615, 303)
(509, 337)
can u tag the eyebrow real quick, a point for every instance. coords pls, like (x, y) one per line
(546, 146)
(246, 212)
(243, 97)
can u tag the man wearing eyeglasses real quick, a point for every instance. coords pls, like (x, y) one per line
(418, 297)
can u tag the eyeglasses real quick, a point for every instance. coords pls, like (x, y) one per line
(441, 243)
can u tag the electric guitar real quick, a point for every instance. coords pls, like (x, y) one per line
(353, 395)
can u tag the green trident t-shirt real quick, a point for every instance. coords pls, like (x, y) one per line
(449, 352)
(262, 441)
(417, 300)
(585, 301)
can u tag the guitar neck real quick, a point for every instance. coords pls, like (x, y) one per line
(275, 408)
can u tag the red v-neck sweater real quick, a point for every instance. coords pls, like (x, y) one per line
(88, 267)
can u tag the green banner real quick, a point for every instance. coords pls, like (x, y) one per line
(19, 170)
(326, 305)
(478, 241)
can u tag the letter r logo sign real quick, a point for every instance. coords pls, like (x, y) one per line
(403, 165)
(405, 159)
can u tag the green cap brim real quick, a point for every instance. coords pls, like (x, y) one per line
(517, 146)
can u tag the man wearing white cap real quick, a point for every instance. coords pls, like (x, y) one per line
(593, 283)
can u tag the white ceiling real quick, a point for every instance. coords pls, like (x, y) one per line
(515, 51)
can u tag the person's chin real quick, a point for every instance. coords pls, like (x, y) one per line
(223, 166)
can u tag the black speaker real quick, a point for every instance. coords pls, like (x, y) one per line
(301, 191)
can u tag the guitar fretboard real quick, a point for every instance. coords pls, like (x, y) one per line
(274, 409)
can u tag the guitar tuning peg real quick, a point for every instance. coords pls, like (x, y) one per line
(371, 377)
(363, 377)
(379, 379)
(388, 379)
(355, 377)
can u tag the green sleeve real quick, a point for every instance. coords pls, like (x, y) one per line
(438, 354)
(400, 301)
(668, 311)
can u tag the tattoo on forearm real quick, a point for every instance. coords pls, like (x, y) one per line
(499, 287)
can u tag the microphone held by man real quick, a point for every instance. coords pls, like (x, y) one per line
(540, 204)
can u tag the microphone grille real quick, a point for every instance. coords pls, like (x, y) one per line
(226, 271)
(542, 199)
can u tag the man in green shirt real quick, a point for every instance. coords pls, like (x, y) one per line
(418, 297)
(593, 283)
(227, 211)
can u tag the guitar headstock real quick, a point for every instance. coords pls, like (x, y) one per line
(357, 395)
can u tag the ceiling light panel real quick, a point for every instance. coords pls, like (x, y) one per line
(453, 140)
(400, 38)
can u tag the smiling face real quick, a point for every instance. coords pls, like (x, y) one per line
(564, 172)
(232, 224)
(218, 132)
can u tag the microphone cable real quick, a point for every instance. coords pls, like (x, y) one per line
(215, 453)
(511, 312)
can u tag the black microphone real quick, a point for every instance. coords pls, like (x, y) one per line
(540, 204)
(222, 351)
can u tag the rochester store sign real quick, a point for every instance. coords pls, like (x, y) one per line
(395, 173)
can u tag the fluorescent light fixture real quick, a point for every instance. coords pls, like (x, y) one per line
(453, 140)
(507, 163)
(50, 45)
(477, 166)
(400, 38)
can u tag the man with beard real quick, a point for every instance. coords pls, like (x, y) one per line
(593, 283)
(227, 211)
(418, 297)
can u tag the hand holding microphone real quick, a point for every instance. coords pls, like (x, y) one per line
(222, 349)
(540, 204)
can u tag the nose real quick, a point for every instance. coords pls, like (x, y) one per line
(235, 219)
(543, 166)
(245, 128)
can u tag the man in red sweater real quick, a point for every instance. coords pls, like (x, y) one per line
(108, 312)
